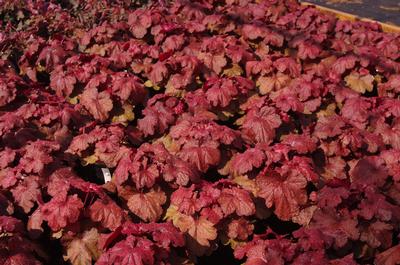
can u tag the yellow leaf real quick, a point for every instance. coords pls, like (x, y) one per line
(240, 121)
(20, 15)
(328, 111)
(171, 212)
(233, 243)
(170, 90)
(169, 144)
(89, 160)
(266, 84)
(73, 100)
(225, 115)
(198, 80)
(235, 70)
(225, 170)
(97, 49)
(127, 115)
(203, 231)
(57, 235)
(360, 83)
(137, 67)
(247, 184)
(211, 27)
(150, 84)
(40, 68)
(182, 221)
(378, 78)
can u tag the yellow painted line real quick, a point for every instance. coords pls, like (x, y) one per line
(347, 16)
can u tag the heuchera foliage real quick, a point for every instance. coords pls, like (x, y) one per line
(260, 132)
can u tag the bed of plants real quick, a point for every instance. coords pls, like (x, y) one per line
(236, 132)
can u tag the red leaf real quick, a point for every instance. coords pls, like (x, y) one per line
(26, 193)
(247, 161)
(289, 65)
(131, 251)
(185, 199)
(375, 206)
(8, 92)
(263, 252)
(240, 229)
(59, 182)
(377, 234)
(357, 110)
(61, 82)
(342, 64)
(121, 173)
(308, 50)
(11, 224)
(220, 92)
(128, 87)
(302, 144)
(172, 43)
(390, 256)
(158, 72)
(164, 234)
(369, 171)
(98, 104)
(202, 156)
(7, 156)
(332, 197)
(158, 115)
(181, 172)
(20, 259)
(59, 212)
(164, 56)
(285, 193)
(37, 156)
(260, 124)
(338, 226)
(328, 126)
(108, 213)
(139, 21)
(148, 206)
(236, 200)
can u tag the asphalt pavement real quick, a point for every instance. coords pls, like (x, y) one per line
(387, 11)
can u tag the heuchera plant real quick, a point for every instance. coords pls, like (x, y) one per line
(236, 131)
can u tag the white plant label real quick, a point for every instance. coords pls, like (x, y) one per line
(106, 174)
